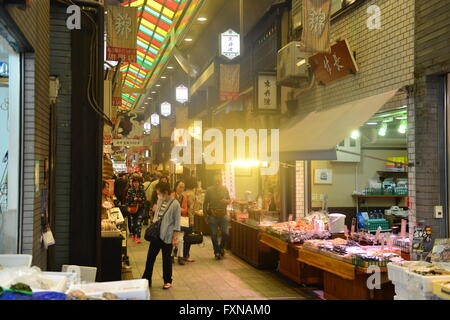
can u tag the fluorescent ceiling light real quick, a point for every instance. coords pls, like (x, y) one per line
(202, 19)
(372, 123)
(355, 134)
(163, 77)
(169, 67)
(153, 91)
(158, 85)
(188, 39)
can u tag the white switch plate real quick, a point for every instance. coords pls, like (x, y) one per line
(438, 212)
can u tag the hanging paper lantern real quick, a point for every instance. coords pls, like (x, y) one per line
(166, 109)
(154, 119)
(182, 94)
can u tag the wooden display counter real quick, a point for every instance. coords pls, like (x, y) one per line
(344, 281)
(246, 245)
(289, 265)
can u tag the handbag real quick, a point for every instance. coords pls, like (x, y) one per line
(193, 238)
(154, 230)
(133, 209)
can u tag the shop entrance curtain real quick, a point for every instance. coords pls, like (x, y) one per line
(316, 135)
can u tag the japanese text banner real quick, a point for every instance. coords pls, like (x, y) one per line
(121, 34)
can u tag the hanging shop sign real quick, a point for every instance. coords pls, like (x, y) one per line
(316, 16)
(267, 92)
(229, 82)
(129, 130)
(154, 119)
(117, 90)
(230, 44)
(121, 33)
(329, 67)
(182, 94)
(166, 109)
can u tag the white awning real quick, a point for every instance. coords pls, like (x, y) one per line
(316, 136)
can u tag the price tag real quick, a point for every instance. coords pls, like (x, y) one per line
(377, 235)
(403, 229)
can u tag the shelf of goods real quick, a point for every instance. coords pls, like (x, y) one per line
(245, 244)
(419, 280)
(345, 276)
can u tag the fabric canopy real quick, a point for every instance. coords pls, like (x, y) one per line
(316, 136)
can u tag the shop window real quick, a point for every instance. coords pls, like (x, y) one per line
(9, 147)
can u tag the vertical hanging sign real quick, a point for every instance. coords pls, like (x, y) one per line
(230, 44)
(229, 81)
(121, 34)
(316, 16)
(267, 92)
(117, 92)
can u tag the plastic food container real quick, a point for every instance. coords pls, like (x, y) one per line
(15, 260)
(127, 289)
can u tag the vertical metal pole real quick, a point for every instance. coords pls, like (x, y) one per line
(241, 25)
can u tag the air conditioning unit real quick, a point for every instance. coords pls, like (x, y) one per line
(292, 66)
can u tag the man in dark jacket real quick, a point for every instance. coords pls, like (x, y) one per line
(119, 187)
(217, 199)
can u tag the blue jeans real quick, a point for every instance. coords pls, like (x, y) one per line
(216, 223)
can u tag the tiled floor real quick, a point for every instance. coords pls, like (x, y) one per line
(210, 279)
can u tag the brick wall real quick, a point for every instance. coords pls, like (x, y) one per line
(432, 63)
(34, 23)
(384, 56)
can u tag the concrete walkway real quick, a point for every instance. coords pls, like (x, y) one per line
(210, 279)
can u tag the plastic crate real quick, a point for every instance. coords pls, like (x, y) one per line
(126, 289)
(15, 260)
(373, 224)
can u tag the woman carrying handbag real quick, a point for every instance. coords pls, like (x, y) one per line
(163, 234)
(135, 207)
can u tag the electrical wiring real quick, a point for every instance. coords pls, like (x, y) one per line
(92, 62)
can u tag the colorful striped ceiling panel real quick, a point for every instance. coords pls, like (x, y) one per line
(155, 18)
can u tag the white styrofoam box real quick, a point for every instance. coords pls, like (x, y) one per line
(397, 297)
(85, 274)
(400, 289)
(126, 289)
(397, 273)
(72, 278)
(15, 260)
(424, 283)
(59, 283)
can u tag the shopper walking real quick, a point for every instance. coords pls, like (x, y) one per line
(178, 194)
(135, 207)
(148, 195)
(169, 211)
(119, 186)
(189, 194)
(217, 199)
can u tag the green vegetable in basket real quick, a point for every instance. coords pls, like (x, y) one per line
(21, 288)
